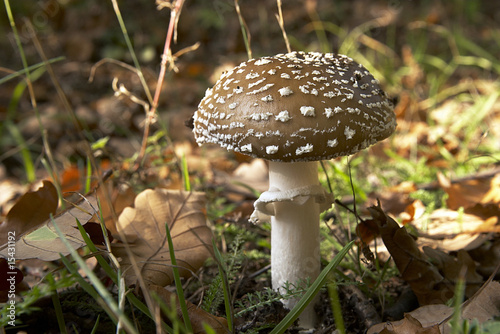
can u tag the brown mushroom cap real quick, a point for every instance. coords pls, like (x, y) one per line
(295, 107)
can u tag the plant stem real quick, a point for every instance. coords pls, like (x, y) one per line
(167, 54)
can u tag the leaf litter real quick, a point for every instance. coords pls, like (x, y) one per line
(31, 219)
(464, 234)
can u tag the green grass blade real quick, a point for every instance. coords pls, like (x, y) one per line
(311, 292)
(96, 325)
(57, 306)
(88, 178)
(336, 307)
(29, 168)
(100, 259)
(185, 174)
(16, 37)
(113, 275)
(177, 280)
(225, 286)
(28, 69)
(131, 50)
(106, 298)
(144, 309)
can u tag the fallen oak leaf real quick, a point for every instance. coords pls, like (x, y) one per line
(30, 210)
(482, 307)
(469, 192)
(452, 230)
(114, 198)
(485, 304)
(424, 279)
(426, 319)
(409, 325)
(144, 229)
(455, 268)
(42, 241)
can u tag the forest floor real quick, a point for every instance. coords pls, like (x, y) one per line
(437, 178)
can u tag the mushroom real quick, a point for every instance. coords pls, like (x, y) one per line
(293, 110)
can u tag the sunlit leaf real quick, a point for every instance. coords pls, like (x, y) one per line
(144, 228)
(42, 241)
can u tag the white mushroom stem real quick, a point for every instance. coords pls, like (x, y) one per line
(295, 242)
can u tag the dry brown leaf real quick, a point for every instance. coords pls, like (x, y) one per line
(483, 306)
(425, 319)
(197, 316)
(409, 325)
(452, 230)
(43, 242)
(424, 279)
(395, 200)
(413, 211)
(453, 268)
(120, 198)
(30, 210)
(10, 191)
(468, 193)
(144, 228)
(487, 255)
(367, 230)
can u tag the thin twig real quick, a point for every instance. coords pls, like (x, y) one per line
(166, 57)
(113, 61)
(137, 65)
(244, 29)
(281, 22)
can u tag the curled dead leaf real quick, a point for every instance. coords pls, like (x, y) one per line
(144, 229)
(425, 280)
(30, 210)
(483, 306)
(41, 241)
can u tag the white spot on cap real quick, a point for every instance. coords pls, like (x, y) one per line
(285, 75)
(262, 61)
(307, 111)
(261, 89)
(267, 98)
(349, 133)
(271, 149)
(233, 105)
(252, 75)
(328, 112)
(285, 91)
(234, 125)
(260, 116)
(246, 148)
(258, 82)
(332, 143)
(304, 149)
(283, 116)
